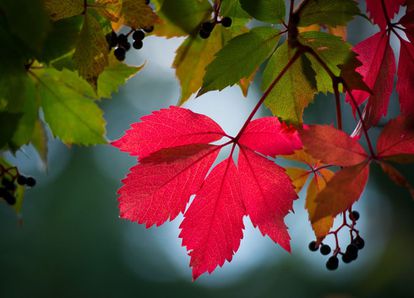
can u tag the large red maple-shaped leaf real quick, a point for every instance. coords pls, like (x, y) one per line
(175, 154)
(378, 12)
(378, 69)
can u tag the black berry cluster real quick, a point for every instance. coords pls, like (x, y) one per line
(121, 42)
(207, 27)
(351, 252)
(10, 178)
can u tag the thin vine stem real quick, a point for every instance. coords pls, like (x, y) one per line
(347, 89)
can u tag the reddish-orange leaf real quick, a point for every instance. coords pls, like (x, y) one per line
(396, 141)
(168, 128)
(405, 83)
(378, 69)
(213, 224)
(159, 187)
(175, 157)
(322, 226)
(332, 146)
(341, 192)
(298, 176)
(378, 13)
(397, 177)
(270, 137)
(267, 195)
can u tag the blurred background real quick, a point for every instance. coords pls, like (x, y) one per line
(70, 242)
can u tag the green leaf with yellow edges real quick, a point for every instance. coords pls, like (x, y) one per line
(91, 54)
(294, 91)
(239, 58)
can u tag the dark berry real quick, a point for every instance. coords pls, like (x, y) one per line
(21, 180)
(122, 38)
(207, 26)
(352, 249)
(8, 184)
(137, 44)
(3, 192)
(359, 242)
(354, 215)
(226, 22)
(148, 29)
(204, 34)
(112, 39)
(325, 249)
(120, 54)
(332, 263)
(138, 35)
(126, 46)
(10, 199)
(313, 246)
(346, 258)
(352, 252)
(30, 181)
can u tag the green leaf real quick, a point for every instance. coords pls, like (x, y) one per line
(233, 9)
(72, 116)
(27, 21)
(271, 11)
(8, 124)
(239, 58)
(18, 91)
(332, 50)
(91, 54)
(295, 90)
(328, 12)
(192, 57)
(62, 9)
(24, 130)
(61, 39)
(182, 17)
(114, 76)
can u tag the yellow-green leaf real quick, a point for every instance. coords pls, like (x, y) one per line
(61, 9)
(322, 226)
(137, 14)
(295, 90)
(192, 57)
(72, 116)
(91, 54)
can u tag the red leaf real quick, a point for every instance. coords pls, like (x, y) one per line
(341, 192)
(397, 139)
(408, 23)
(376, 11)
(175, 158)
(378, 69)
(270, 137)
(158, 189)
(397, 177)
(405, 83)
(168, 128)
(268, 195)
(213, 225)
(332, 146)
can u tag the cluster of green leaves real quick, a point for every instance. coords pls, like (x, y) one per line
(56, 66)
(60, 65)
